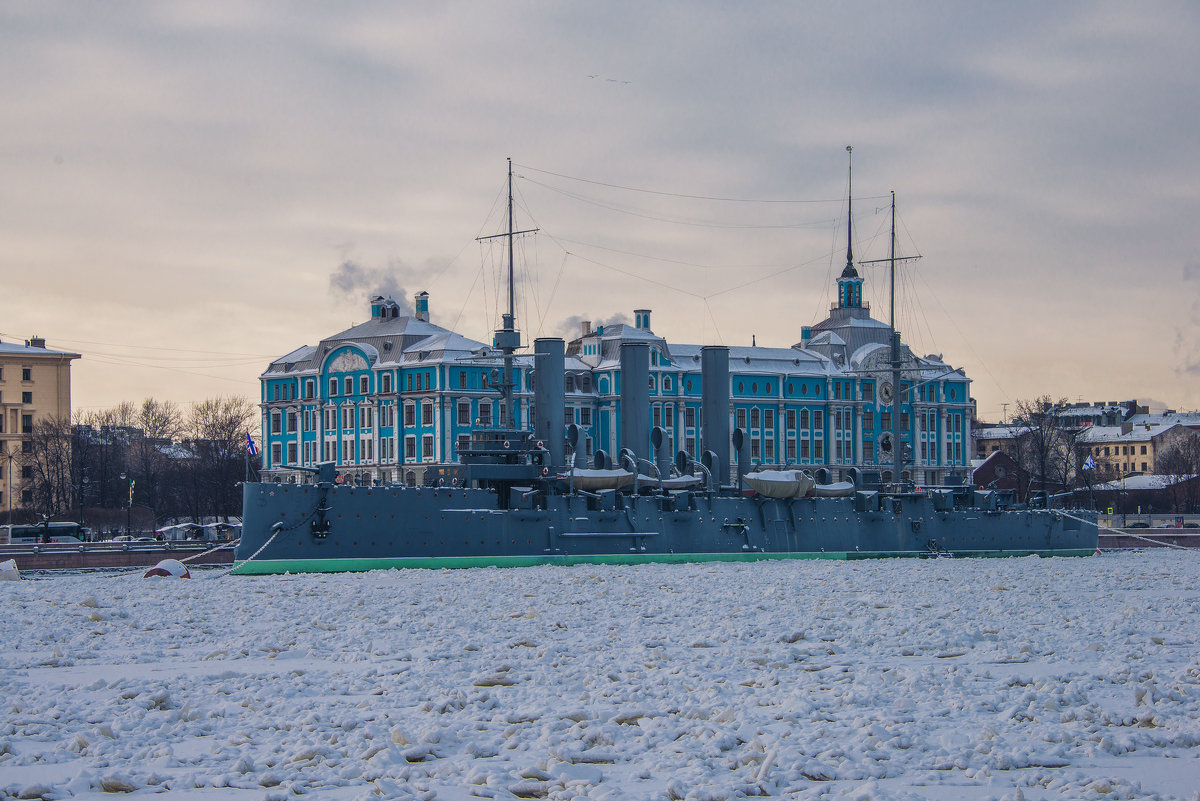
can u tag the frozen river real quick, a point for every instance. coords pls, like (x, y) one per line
(896, 679)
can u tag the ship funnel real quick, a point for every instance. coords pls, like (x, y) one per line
(714, 395)
(549, 396)
(635, 398)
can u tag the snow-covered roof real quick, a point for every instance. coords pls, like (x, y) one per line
(1106, 434)
(1142, 482)
(12, 348)
(1000, 432)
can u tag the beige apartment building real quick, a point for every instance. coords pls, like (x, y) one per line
(1129, 448)
(35, 383)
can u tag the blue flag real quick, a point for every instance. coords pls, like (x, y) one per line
(251, 448)
(1089, 463)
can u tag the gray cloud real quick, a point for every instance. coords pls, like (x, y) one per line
(354, 281)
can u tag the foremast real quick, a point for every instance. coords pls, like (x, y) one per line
(507, 339)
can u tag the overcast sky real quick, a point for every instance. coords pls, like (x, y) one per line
(189, 190)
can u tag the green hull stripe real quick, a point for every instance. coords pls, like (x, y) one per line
(265, 567)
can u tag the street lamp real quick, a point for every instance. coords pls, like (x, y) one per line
(129, 505)
(10, 455)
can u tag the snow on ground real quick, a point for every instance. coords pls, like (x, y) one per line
(893, 679)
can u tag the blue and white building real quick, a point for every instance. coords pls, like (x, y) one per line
(397, 395)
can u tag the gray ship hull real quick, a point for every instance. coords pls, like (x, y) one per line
(325, 528)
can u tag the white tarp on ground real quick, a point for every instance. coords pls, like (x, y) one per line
(894, 679)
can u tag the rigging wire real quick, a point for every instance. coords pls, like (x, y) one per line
(675, 220)
(672, 194)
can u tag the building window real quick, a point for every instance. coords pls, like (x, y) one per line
(689, 416)
(669, 413)
(427, 413)
(427, 446)
(363, 385)
(868, 422)
(348, 386)
(804, 450)
(464, 442)
(818, 420)
(333, 386)
(410, 414)
(26, 374)
(818, 450)
(291, 451)
(585, 416)
(755, 419)
(26, 471)
(410, 447)
(791, 450)
(464, 413)
(868, 450)
(26, 397)
(804, 418)
(739, 418)
(276, 453)
(485, 415)
(769, 450)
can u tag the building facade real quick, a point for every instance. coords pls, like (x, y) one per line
(35, 384)
(397, 395)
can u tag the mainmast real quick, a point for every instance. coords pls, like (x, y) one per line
(507, 338)
(897, 396)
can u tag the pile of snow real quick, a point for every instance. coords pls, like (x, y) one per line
(9, 571)
(895, 679)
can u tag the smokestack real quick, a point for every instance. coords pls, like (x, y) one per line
(587, 327)
(714, 395)
(549, 396)
(635, 398)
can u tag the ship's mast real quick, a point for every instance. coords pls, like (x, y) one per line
(507, 338)
(897, 396)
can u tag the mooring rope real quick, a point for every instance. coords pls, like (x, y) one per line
(1099, 528)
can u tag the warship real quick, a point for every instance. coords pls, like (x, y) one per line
(521, 497)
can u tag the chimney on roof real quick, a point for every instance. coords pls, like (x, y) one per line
(36, 342)
(421, 306)
(587, 327)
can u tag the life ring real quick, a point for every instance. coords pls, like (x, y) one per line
(507, 444)
(541, 445)
(545, 471)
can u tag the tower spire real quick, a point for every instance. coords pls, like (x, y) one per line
(850, 209)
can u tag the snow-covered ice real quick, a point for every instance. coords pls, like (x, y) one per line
(894, 679)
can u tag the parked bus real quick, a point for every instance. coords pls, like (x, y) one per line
(71, 533)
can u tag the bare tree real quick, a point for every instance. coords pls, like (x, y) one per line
(1181, 466)
(217, 428)
(1046, 455)
(49, 465)
(161, 424)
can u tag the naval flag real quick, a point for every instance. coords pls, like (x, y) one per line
(251, 448)
(1089, 463)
